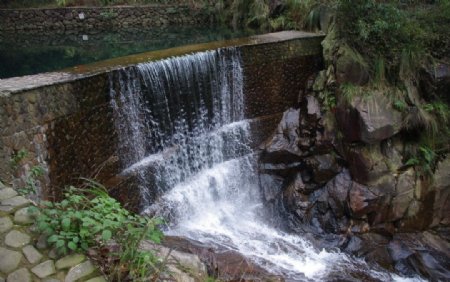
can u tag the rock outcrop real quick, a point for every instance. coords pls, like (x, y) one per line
(340, 173)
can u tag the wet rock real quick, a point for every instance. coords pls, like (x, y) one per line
(225, 264)
(324, 167)
(7, 193)
(338, 190)
(369, 119)
(17, 239)
(271, 186)
(282, 147)
(283, 170)
(32, 255)
(20, 275)
(441, 184)
(9, 260)
(312, 108)
(367, 166)
(375, 249)
(294, 197)
(69, 261)
(404, 195)
(362, 200)
(82, 270)
(44, 269)
(424, 253)
(5, 224)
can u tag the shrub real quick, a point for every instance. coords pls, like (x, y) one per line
(90, 219)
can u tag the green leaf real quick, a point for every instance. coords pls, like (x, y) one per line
(106, 235)
(65, 223)
(53, 238)
(72, 246)
(60, 243)
(84, 246)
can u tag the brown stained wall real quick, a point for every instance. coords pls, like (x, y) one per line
(98, 17)
(275, 74)
(66, 128)
(69, 129)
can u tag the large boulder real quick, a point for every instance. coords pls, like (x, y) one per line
(283, 145)
(351, 67)
(323, 167)
(425, 253)
(338, 190)
(441, 184)
(363, 200)
(435, 80)
(369, 119)
(368, 165)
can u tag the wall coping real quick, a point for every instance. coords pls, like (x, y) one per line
(95, 7)
(14, 85)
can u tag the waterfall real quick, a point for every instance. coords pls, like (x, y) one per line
(178, 116)
(183, 135)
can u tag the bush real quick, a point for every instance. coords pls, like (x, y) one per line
(381, 30)
(89, 219)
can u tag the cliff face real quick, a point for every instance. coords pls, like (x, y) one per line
(352, 169)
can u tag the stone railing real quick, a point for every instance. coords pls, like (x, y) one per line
(99, 17)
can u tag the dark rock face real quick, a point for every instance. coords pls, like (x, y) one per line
(283, 147)
(369, 120)
(435, 80)
(226, 265)
(355, 191)
(350, 67)
(424, 253)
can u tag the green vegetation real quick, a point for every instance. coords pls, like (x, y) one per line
(31, 175)
(89, 219)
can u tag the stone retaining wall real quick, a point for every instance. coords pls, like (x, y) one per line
(99, 17)
(66, 122)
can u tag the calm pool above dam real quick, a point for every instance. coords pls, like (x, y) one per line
(31, 53)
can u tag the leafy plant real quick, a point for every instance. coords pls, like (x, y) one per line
(90, 219)
(328, 99)
(31, 179)
(425, 160)
(31, 175)
(18, 157)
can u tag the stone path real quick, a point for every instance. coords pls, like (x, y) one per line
(25, 256)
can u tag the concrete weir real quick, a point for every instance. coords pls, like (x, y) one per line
(66, 123)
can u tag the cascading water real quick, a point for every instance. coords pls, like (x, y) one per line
(183, 135)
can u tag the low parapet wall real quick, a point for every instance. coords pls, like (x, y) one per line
(65, 121)
(99, 17)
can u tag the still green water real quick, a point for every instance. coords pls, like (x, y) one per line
(25, 54)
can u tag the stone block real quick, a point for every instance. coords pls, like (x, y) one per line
(20, 275)
(69, 261)
(17, 239)
(7, 193)
(9, 260)
(5, 224)
(82, 270)
(44, 269)
(32, 255)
